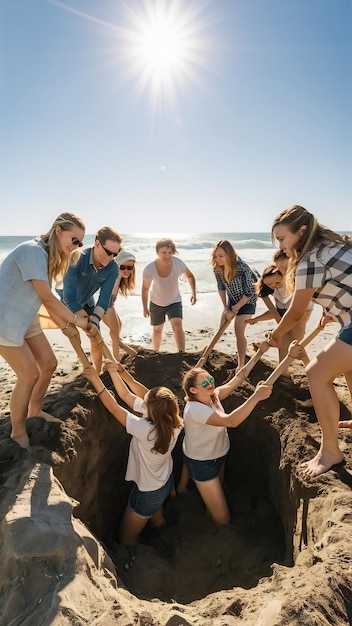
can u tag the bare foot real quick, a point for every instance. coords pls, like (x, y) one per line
(46, 416)
(345, 424)
(22, 441)
(306, 403)
(321, 463)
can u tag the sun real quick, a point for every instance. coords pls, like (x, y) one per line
(162, 46)
(165, 46)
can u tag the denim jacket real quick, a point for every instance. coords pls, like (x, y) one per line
(82, 281)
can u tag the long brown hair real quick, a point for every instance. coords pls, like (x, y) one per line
(58, 261)
(315, 235)
(229, 272)
(129, 283)
(190, 380)
(164, 414)
(261, 288)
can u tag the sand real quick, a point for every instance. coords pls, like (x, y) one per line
(284, 560)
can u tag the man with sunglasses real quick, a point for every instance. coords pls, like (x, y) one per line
(95, 270)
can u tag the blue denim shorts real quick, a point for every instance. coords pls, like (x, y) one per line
(146, 503)
(246, 309)
(204, 470)
(158, 313)
(346, 336)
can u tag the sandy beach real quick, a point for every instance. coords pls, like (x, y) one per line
(285, 559)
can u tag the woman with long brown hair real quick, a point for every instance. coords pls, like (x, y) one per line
(154, 436)
(320, 262)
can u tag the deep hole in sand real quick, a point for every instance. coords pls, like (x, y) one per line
(190, 557)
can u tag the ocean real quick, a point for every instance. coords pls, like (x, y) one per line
(194, 249)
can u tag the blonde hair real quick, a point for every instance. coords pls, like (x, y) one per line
(163, 413)
(59, 261)
(190, 380)
(229, 272)
(129, 283)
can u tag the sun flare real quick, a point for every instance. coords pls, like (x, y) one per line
(164, 46)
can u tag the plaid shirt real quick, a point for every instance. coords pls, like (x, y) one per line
(240, 285)
(330, 273)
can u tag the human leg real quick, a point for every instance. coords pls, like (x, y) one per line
(213, 496)
(241, 339)
(184, 480)
(157, 335)
(112, 320)
(179, 334)
(131, 527)
(21, 360)
(335, 359)
(46, 363)
(158, 518)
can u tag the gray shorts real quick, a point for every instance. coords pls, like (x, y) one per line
(158, 313)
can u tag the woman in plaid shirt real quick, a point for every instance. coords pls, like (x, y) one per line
(320, 269)
(236, 290)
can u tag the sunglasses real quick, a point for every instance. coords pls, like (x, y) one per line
(206, 382)
(127, 267)
(77, 242)
(108, 252)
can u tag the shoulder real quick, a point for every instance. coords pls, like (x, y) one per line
(149, 269)
(31, 249)
(178, 263)
(242, 266)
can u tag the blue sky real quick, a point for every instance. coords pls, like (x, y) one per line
(258, 117)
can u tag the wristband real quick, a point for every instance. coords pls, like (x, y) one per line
(65, 327)
(95, 324)
(96, 315)
(100, 392)
(74, 319)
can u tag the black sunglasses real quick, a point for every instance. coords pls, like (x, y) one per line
(77, 242)
(108, 252)
(126, 267)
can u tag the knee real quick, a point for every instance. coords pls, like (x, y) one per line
(51, 365)
(314, 374)
(30, 379)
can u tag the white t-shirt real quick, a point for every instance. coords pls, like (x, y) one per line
(165, 291)
(203, 442)
(282, 300)
(150, 470)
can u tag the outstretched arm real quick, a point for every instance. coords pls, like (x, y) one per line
(238, 415)
(136, 387)
(105, 396)
(237, 380)
(116, 370)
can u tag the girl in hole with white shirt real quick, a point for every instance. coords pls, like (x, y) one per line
(206, 442)
(154, 436)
